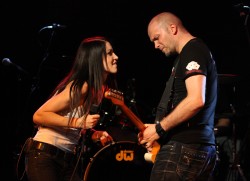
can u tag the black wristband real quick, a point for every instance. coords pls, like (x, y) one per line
(159, 130)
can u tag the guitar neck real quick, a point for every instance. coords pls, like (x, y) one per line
(136, 121)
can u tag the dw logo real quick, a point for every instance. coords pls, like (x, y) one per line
(127, 155)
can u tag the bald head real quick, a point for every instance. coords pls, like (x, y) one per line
(164, 19)
(167, 33)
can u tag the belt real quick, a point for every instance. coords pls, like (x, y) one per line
(52, 150)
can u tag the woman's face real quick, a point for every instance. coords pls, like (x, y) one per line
(111, 64)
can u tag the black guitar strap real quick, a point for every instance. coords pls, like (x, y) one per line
(163, 105)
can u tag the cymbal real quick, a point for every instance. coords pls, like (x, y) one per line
(224, 115)
(228, 79)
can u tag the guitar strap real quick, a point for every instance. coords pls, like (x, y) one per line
(163, 105)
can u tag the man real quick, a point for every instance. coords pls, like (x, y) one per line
(186, 131)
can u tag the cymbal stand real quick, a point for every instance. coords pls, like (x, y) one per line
(235, 172)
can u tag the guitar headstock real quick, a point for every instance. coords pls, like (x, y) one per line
(115, 96)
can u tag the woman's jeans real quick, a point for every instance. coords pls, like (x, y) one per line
(44, 165)
(176, 162)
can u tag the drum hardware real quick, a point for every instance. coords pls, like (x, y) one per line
(230, 158)
(225, 131)
(235, 170)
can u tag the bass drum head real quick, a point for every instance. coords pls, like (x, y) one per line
(119, 161)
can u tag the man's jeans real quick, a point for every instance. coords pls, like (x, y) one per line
(176, 161)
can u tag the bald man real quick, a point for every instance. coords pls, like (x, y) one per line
(185, 131)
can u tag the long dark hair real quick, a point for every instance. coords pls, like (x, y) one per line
(87, 67)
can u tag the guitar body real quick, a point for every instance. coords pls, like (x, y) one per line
(117, 98)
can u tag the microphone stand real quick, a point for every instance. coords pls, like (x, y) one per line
(245, 25)
(46, 55)
(84, 143)
(35, 86)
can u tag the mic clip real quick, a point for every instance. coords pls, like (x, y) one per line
(54, 26)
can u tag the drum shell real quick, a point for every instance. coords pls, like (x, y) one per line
(123, 161)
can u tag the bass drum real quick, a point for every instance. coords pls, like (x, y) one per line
(121, 161)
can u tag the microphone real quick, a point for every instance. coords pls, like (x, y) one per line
(94, 109)
(54, 26)
(8, 62)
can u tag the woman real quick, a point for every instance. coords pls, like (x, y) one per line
(51, 154)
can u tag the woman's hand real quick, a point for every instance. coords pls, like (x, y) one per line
(102, 136)
(90, 121)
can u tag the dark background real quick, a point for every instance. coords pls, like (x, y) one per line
(45, 55)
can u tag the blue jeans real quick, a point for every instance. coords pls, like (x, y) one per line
(178, 162)
(42, 166)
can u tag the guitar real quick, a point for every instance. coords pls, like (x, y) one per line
(117, 98)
